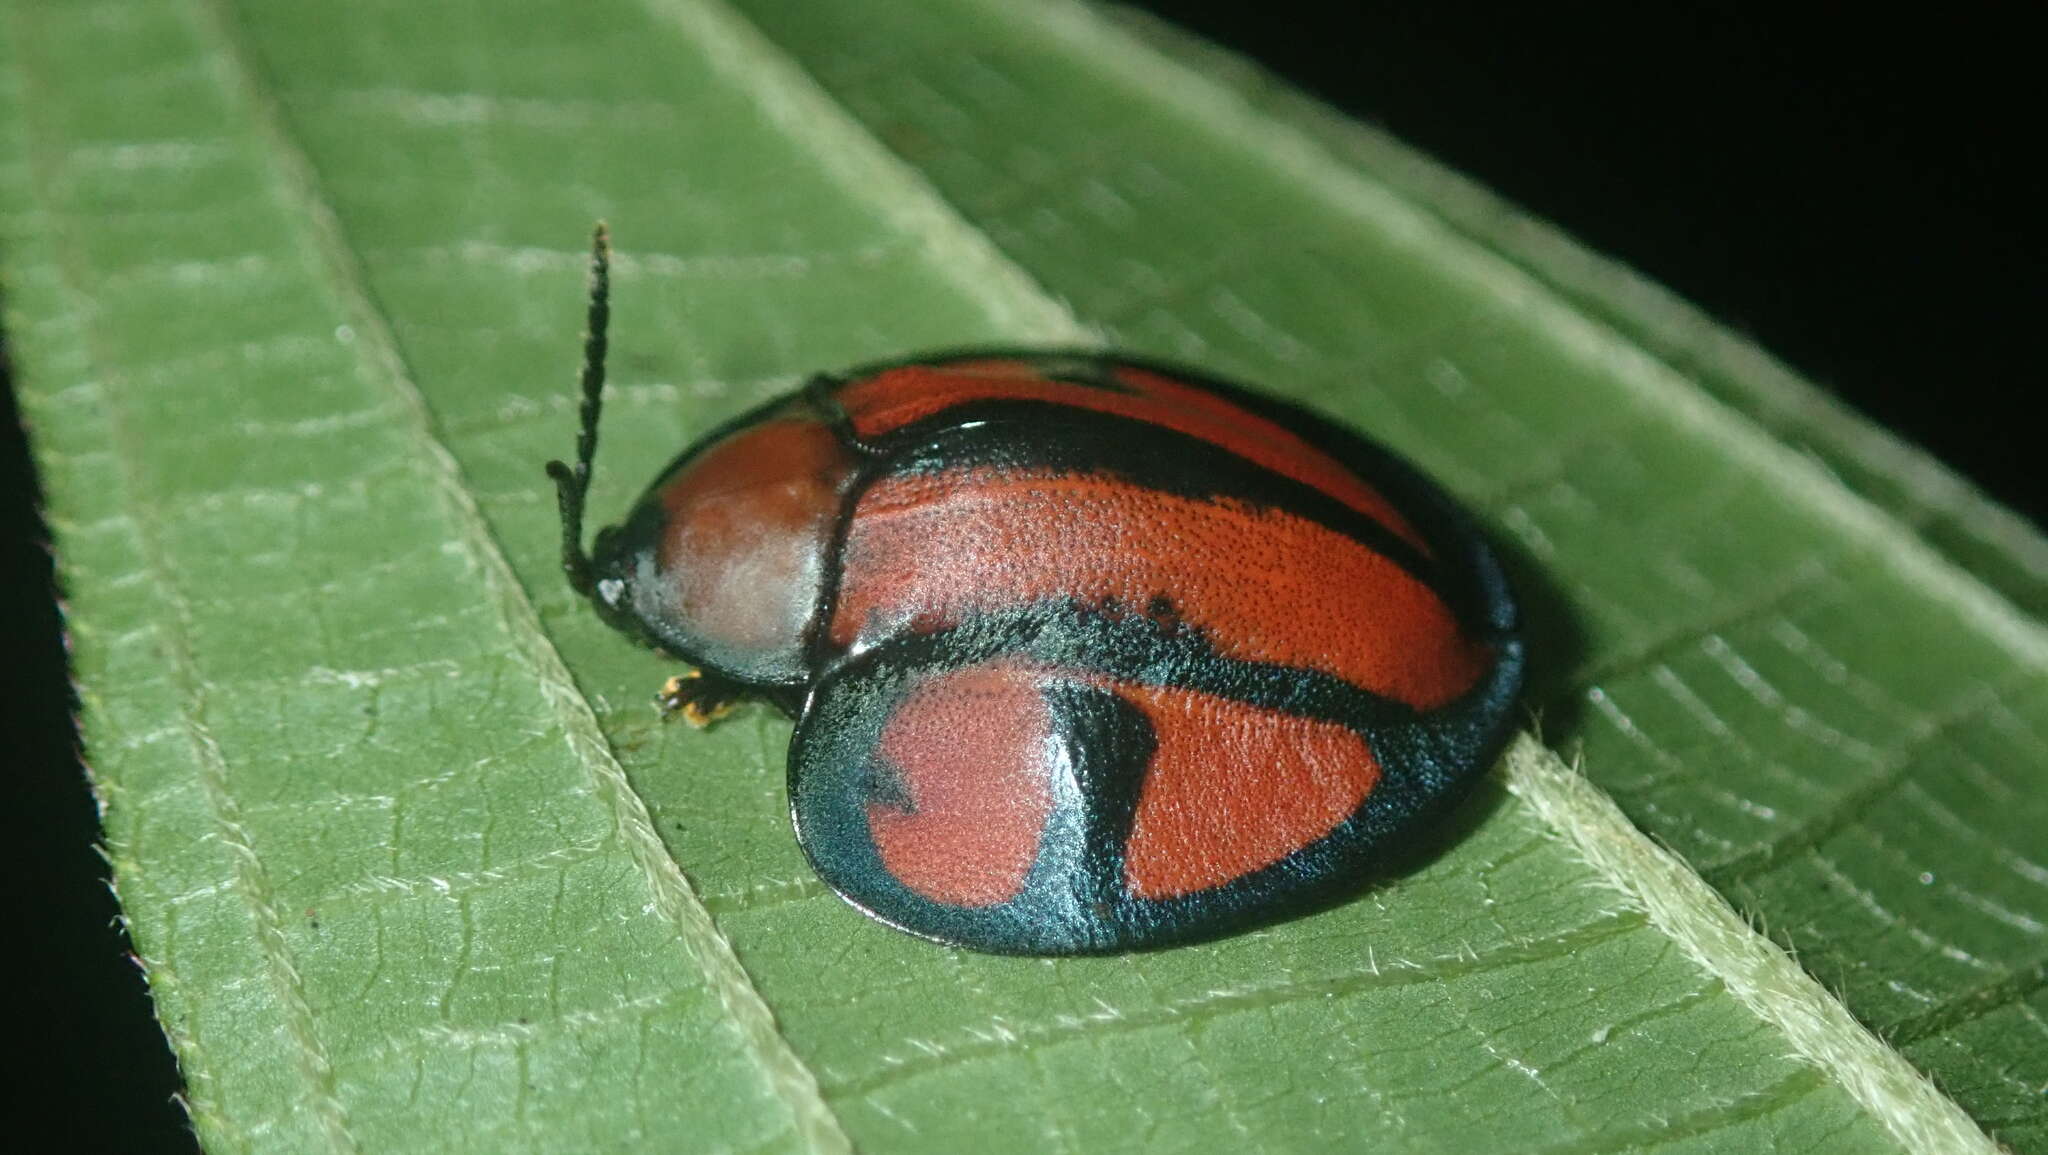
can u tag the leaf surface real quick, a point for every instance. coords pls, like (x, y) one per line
(1996, 545)
(1842, 731)
(293, 293)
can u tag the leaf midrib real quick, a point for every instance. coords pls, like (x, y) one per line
(341, 265)
(1877, 1076)
(1228, 120)
(1780, 403)
(247, 874)
(674, 898)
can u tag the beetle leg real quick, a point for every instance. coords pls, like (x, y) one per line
(699, 697)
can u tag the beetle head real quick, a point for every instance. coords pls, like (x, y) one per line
(723, 560)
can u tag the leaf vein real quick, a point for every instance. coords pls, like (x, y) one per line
(673, 897)
(247, 873)
(1207, 1007)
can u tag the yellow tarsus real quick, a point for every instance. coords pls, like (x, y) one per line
(675, 698)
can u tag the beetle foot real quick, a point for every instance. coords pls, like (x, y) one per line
(699, 698)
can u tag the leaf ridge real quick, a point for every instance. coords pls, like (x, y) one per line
(248, 877)
(1766, 980)
(673, 896)
(251, 879)
(792, 98)
(1774, 395)
(1231, 120)
(1756, 970)
(1214, 1004)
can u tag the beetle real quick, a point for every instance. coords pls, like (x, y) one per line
(1085, 653)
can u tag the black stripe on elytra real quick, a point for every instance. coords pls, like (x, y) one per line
(1086, 372)
(1130, 645)
(1111, 744)
(1469, 576)
(822, 394)
(1473, 584)
(1428, 761)
(1010, 435)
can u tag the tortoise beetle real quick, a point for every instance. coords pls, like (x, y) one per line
(1086, 654)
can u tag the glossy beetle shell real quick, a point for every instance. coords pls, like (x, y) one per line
(1085, 654)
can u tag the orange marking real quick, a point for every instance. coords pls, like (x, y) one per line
(898, 397)
(1232, 788)
(1266, 585)
(971, 748)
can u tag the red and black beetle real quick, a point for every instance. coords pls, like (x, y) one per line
(1085, 654)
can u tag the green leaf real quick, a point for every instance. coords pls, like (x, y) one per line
(293, 295)
(1842, 731)
(1995, 545)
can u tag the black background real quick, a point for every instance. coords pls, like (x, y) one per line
(1846, 190)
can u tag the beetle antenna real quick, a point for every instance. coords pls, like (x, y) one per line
(572, 485)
